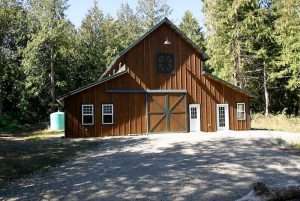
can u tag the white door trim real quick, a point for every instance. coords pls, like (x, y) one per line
(194, 121)
(226, 116)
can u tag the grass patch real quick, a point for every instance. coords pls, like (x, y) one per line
(276, 122)
(10, 127)
(21, 156)
(297, 146)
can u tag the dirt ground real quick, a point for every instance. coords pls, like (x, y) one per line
(199, 166)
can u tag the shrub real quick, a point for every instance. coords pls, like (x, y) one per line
(8, 124)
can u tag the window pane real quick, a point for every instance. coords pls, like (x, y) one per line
(165, 63)
(193, 113)
(107, 119)
(222, 122)
(241, 115)
(241, 107)
(241, 111)
(87, 119)
(87, 109)
(107, 109)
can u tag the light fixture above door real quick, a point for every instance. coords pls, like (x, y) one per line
(167, 42)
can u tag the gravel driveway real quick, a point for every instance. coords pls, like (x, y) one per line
(214, 167)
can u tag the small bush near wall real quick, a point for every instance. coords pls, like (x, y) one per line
(8, 124)
(276, 122)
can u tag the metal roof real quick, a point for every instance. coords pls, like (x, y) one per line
(177, 30)
(149, 91)
(118, 74)
(243, 91)
(102, 79)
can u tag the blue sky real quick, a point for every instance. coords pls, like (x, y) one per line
(79, 8)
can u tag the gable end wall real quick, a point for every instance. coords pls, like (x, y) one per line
(131, 115)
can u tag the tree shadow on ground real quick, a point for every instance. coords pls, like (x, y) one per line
(145, 168)
(20, 157)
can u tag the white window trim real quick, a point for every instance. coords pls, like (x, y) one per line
(112, 114)
(244, 112)
(82, 115)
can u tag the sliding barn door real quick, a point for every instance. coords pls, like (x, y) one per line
(167, 113)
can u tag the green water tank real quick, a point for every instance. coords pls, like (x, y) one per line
(57, 121)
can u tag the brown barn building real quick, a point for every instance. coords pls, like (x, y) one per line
(156, 85)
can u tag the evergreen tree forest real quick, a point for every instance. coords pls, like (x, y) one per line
(254, 44)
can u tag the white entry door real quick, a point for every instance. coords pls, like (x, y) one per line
(194, 111)
(222, 117)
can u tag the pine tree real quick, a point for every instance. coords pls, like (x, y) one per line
(262, 49)
(190, 26)
(113, 41)
(46, 56)
(129, 24)
(91, 47)
(228, 37)
(241, 43)
(13, 38)
(288, 37)
(150, 12)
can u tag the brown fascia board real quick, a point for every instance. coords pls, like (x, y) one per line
(228, 84)
(146, 91)
(76, 91)
(173, 26)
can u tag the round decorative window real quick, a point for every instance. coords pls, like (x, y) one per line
(165, 63)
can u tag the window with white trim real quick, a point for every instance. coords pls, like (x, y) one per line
(241, 111)
(107, 114)
(87, 113)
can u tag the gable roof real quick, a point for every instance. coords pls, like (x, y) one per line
(166, 21)
(162, 22)
(122, 53)
(228, 84)
(118, 74)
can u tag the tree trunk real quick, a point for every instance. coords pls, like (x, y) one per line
(239, 80)
(297, 107)
(266, 92)
(237, 63)
(1, 106)
(52, 81)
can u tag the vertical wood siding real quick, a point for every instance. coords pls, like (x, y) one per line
(130, 109)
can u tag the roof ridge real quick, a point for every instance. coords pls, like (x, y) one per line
(151, 30)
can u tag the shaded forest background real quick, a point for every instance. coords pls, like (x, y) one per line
(254, 44)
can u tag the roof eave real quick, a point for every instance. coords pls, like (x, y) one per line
(243, 91)
(76, 91)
